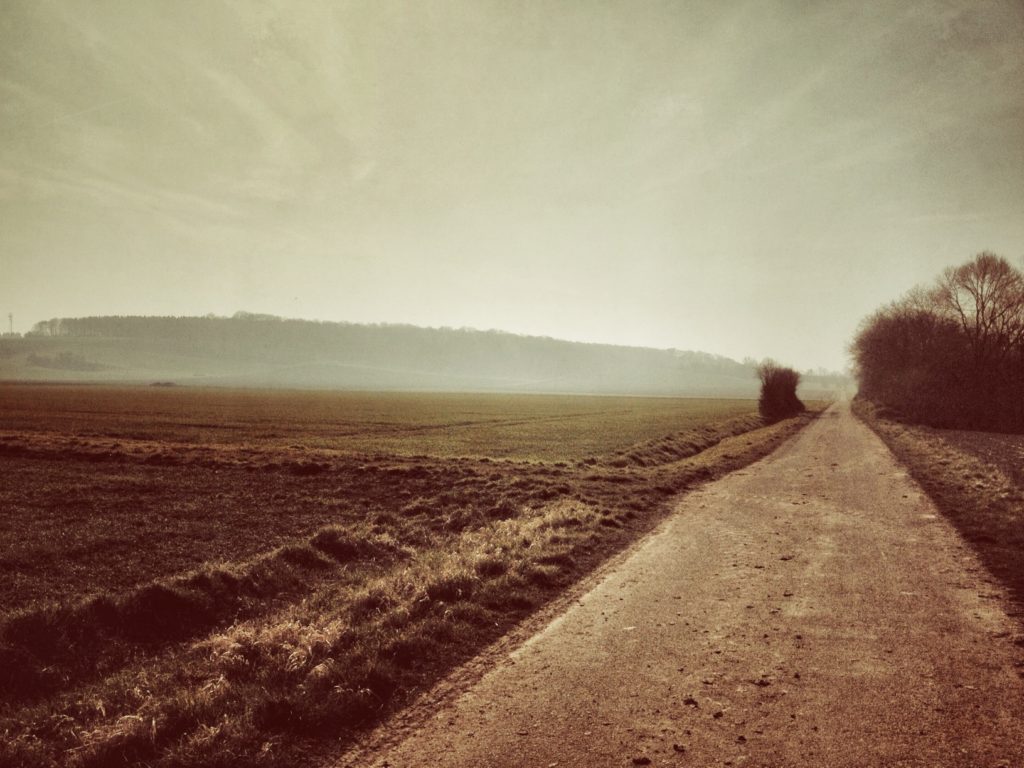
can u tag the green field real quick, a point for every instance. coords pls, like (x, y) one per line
(549, 427)
(197, 475)
(236, 568)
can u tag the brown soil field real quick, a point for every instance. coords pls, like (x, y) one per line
(208, 577)
(1003, 451)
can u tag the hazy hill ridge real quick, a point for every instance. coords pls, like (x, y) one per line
(263, 350)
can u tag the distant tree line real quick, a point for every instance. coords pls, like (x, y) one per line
(63, 361)
(305, 352)
(950, 354)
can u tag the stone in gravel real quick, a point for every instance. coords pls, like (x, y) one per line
(641, 760)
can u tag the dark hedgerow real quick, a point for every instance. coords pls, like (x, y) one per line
(951, 354)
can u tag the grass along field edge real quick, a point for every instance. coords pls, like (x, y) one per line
(984, 504)
(80, 504)
(44, 649)
(178, 607)
(378, 622)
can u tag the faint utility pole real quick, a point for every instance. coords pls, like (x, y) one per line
(10, 322)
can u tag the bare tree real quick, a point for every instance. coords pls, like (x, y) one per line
(953, 354)
(986, 296)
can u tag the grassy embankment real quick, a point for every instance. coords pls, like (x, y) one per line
(977, 481)
(245, 583)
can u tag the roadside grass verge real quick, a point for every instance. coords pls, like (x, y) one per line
(278, 660)
(48, 649)
(682, 444)
(984, 501)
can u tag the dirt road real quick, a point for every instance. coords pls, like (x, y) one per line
(811, 610)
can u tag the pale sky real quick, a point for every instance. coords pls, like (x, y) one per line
(743, 178)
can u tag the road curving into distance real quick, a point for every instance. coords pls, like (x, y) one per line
(813, 609)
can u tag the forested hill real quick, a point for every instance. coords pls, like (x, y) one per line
(261, 350)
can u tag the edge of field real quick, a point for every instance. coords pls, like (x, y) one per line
(982, 502)
(383, 623)
(421, 707)
(425, 705)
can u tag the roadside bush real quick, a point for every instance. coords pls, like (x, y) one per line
(778, 391)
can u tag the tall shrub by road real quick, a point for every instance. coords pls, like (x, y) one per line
(778, 391)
